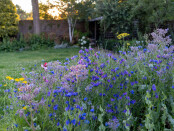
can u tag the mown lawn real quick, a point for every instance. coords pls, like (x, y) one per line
(13, 63)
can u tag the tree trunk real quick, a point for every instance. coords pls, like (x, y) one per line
(36, 21)
(70, 30)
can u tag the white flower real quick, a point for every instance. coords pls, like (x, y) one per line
(83, 37)
(84, 42)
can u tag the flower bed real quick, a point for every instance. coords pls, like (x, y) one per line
(97, 91)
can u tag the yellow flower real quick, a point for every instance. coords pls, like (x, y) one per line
(120, 36)
(25, 82)
(19, 89)
(24, 108)
(17, 79)
(5, 85)
(128, 44)
(21, 79)
(120, 1)
(9, 78)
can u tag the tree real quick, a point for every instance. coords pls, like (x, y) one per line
(149, 12)
(22, 14)
(73, 10)
(44, 11)
(36, 20)
(8, 19)
(115, 15)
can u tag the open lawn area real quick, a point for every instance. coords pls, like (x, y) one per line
(12, 64)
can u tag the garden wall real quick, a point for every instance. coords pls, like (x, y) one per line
(59, 28)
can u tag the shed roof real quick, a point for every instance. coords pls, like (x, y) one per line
(96, 19)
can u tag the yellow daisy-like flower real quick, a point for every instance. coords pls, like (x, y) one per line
(25, 82)
(21, 79)
(24, 108)
(128, 44)
(19, 89)
(9, 78)
(120, 36)
(5, 85)
(17, 80)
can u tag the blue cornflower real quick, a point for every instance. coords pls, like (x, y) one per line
(78, 106)
(153, 87)
(132, 72)
(92, 110)
(84, 114)
(67, 102)
(55, 107)
(172, 87)
(58, 123)
(81, 51)
(132, 83)
(64, 129)
(67, 122)
(112, 99)
(72, 108)
(50, 115)
(16, 125)
(49, 93)
(132, 91)
(133, 101)
(156, 95)
(73, 121)
(85, 98)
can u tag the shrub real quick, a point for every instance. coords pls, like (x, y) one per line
(9, 19)
(33, 42)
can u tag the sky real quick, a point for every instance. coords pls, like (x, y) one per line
(25, 4)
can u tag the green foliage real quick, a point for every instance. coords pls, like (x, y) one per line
(115, 15)
(148, 12)
(22, 14)
(8, 19)
(120, 16)
(110, 44)
(34, 42)
(43, 11)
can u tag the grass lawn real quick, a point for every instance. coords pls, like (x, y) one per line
(12, 63)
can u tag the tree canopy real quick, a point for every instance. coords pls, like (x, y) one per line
(8, 19)
(22, 14)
